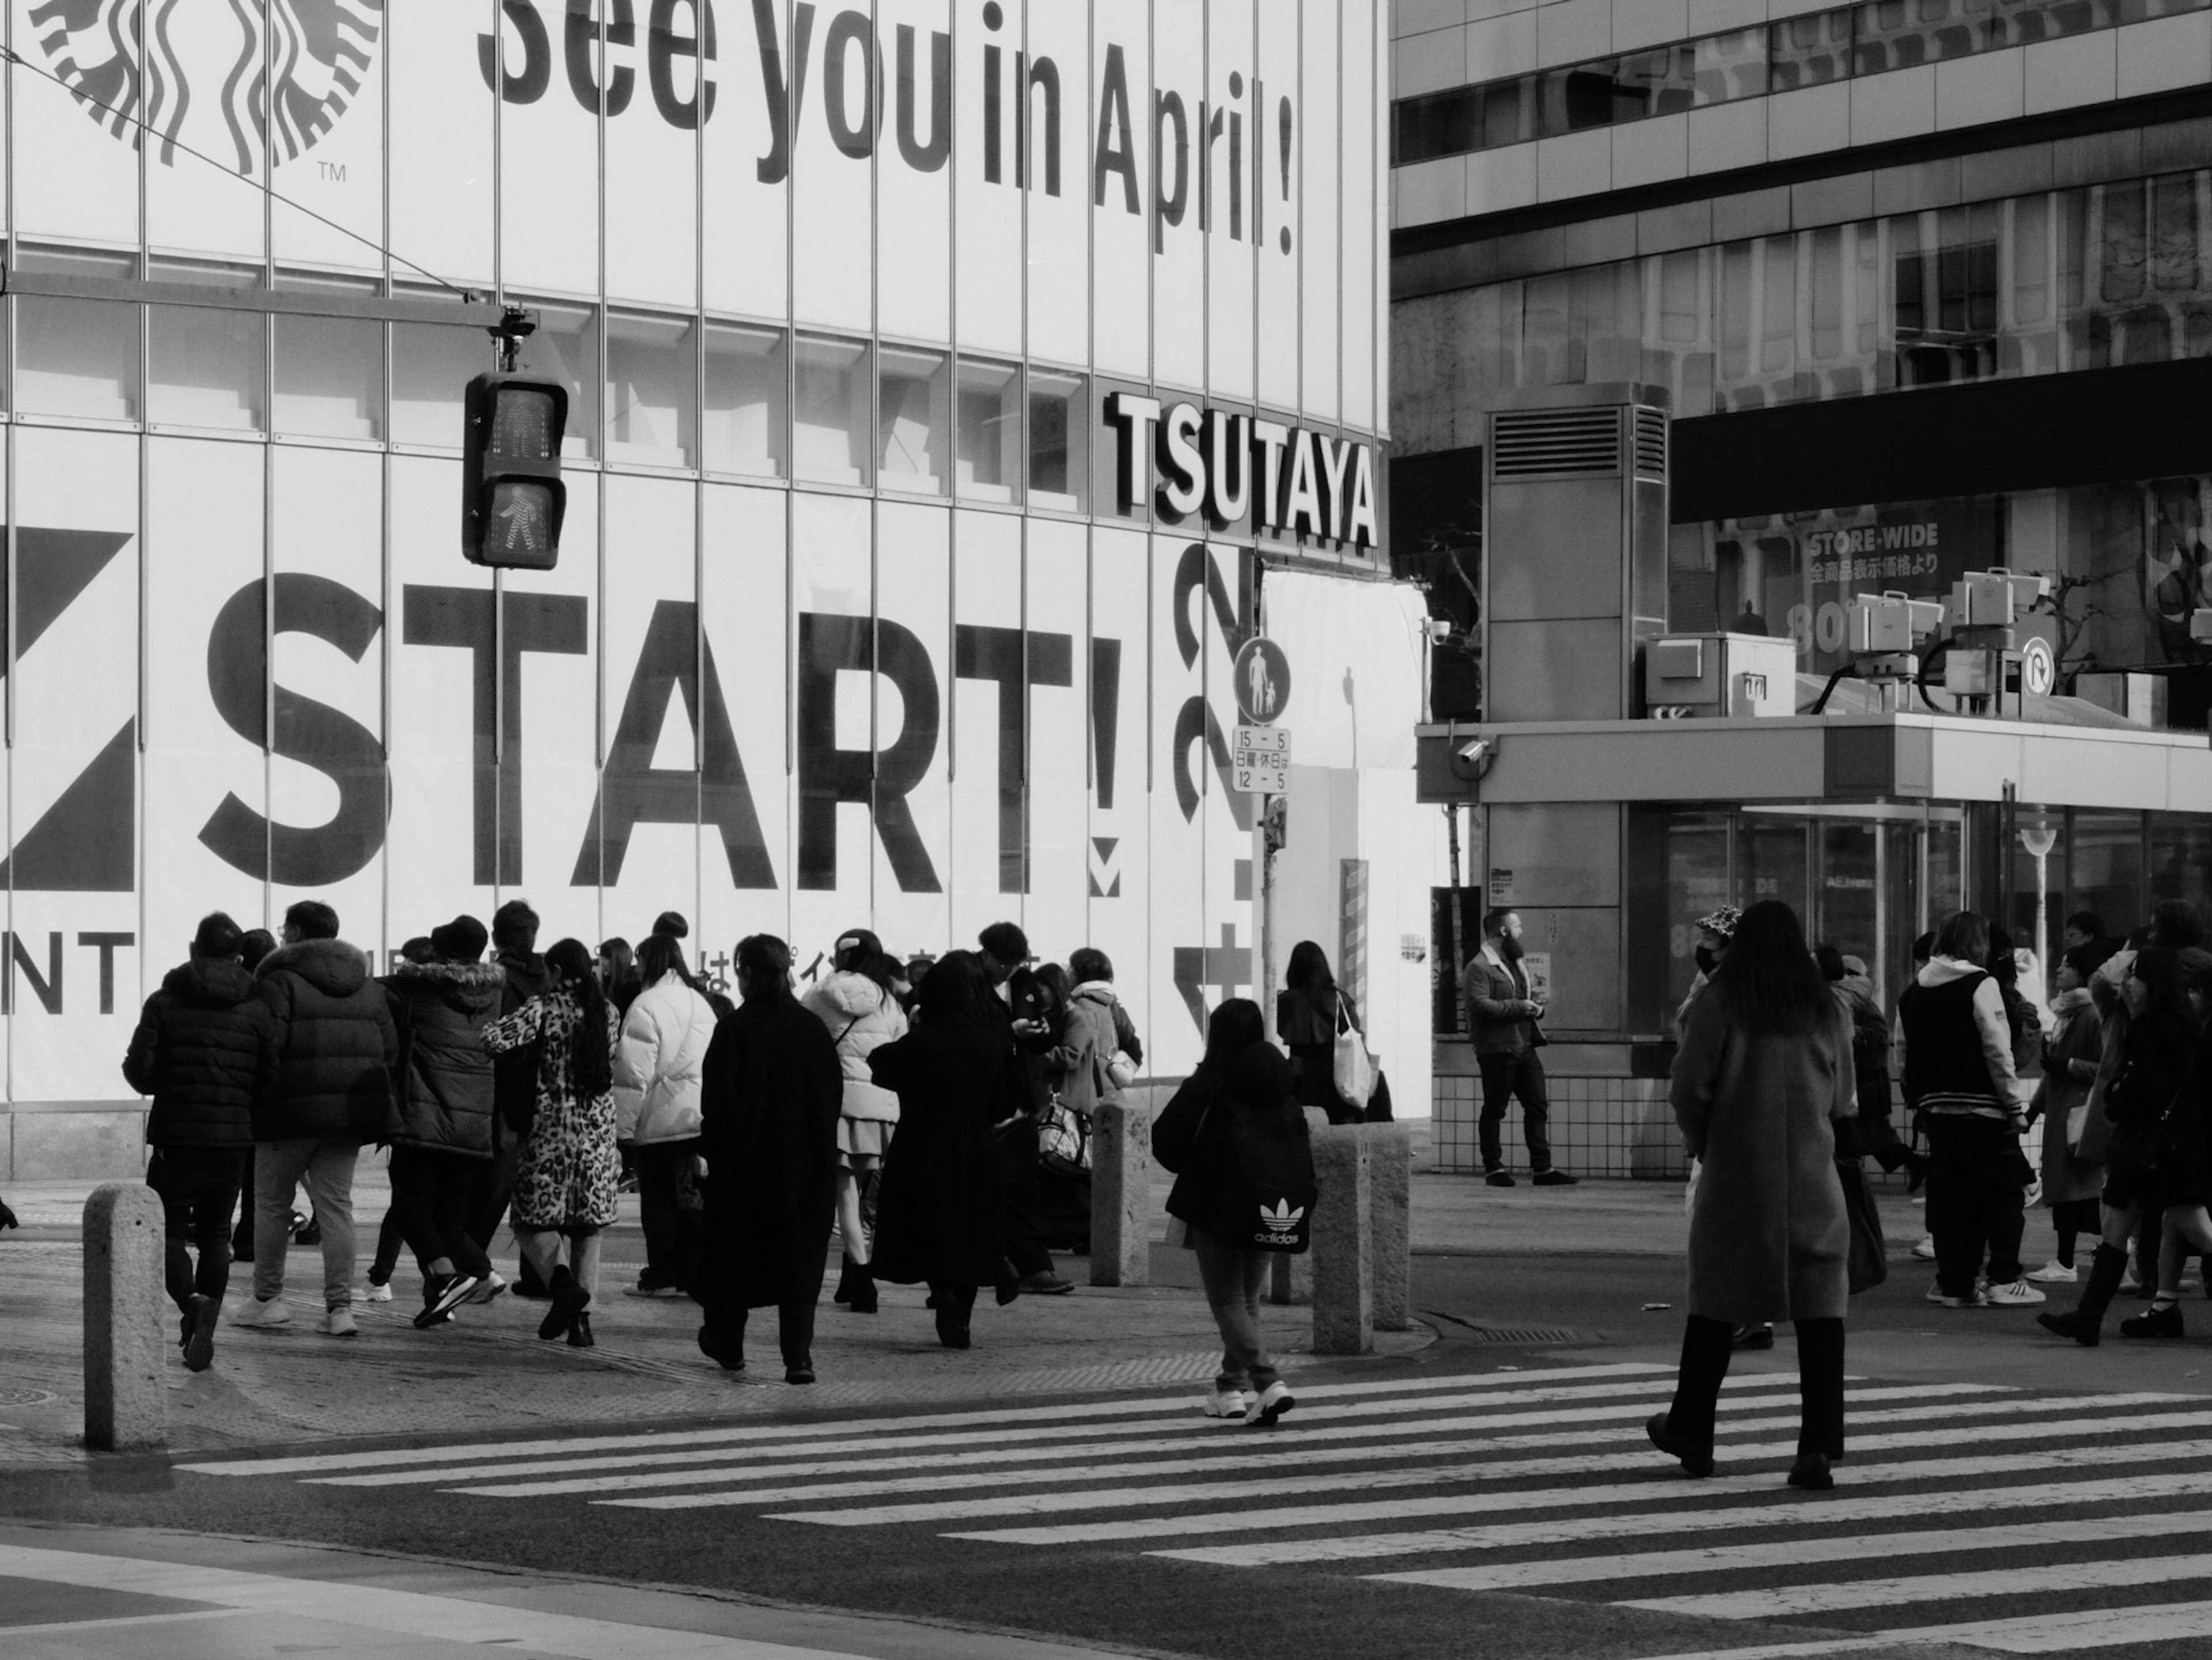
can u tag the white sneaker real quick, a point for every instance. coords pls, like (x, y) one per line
(377, 1293)
(2055, 1273)
(254, 1312)
(339, 1322)
(1225, 1403)
(1925, 1250)
(1975, 1301)
(488, 1287)
(1274, 1401)
(2017, 1295)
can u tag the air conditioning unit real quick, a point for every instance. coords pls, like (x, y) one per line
(1691, 677)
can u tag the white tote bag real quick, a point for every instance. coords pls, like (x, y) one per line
(1355, 1068)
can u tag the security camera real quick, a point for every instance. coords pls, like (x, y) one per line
(1474, 751)
(1471, 758)
(1440, 629)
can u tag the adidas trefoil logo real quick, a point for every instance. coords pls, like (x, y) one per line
(1281, 1222)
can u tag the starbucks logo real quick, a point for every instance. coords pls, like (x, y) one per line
(232, 81)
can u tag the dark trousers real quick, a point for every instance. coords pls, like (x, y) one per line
(198, 1190)
(430, 1194)
(389, 1239)
(669, 1209)
(795, 1330)
(1976, 1193)
(1515, 1076)
(1024, 1217)
(491, 1185)
(2070, 1217)
(1706, 1345)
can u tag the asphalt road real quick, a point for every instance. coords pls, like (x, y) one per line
(2032, 1495)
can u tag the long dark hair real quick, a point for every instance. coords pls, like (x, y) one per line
(1309, 969)
(587, 1052)
(1772, 983)
(2166, 1015)
(1236, 1026)
(659, 956)
(951, 993)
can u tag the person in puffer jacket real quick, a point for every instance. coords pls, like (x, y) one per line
(1098, 1029)
(441, 1122)
(199, 1049)
(658, 1065)
(856, 1003)
(332, 1049)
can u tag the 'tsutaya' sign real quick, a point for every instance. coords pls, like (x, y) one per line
(1289, 481)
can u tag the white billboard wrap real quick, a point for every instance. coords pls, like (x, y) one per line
(949, 380)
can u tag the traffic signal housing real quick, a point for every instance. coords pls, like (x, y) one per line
(513, 500)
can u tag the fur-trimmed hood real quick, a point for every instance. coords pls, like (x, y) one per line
(330, 966)
(465, 988)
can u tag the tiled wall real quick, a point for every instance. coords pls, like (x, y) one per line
(1444, 43)
(1605, 1127)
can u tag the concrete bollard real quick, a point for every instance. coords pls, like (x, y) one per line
(1343, 1275)
(1121, 1194)
(1391, 1199)
(126, 1319)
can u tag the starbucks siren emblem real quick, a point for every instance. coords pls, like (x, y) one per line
(204, 83)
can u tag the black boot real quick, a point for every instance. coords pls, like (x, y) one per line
(863, 1298)
(846, 1278)
(579, 1332)
(2085, 1323)
(561, 1287)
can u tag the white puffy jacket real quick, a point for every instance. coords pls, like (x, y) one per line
(661, 1061)
(861, 1015)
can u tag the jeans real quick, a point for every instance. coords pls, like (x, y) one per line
(430, 1195)
(1232, 1276)
(327, 1166)
(669, 1209)
(198, 1188)
(1977, 1189)
(1706, 1349)
(1511, 1075)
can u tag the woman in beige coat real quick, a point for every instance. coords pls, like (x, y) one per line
(1763, 1074)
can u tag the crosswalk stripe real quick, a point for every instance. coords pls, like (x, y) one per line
(576, 1475)
(1165, 1405)
(1274, 1455)
(975, 1447)
(1254, 1520)
(1786, 1553)
(1839, 1510)
(2030, 1633)
(1776, 1601)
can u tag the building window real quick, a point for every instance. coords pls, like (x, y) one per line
(913, 421)
(990, 442)
(206, 366)
(330, 377)
(565, 348)
(653, 391)
(746, 398)
(77, 358)
(431, 366)
(1057, 444)
(832, 426)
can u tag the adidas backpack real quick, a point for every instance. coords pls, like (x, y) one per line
(1271, 1182)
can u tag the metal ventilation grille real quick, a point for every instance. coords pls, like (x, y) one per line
(1556, 443)
(1651, 444)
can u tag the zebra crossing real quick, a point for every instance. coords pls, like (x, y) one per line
(1968, 1513)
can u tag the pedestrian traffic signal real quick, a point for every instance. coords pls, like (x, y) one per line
(512, 498)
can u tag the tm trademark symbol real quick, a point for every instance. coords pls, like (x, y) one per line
(332, 171)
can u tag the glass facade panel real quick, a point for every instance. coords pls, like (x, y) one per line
(653, 391)
(2037, 285)
(431, 366)
(990, 431)
(832, 425)
(77, 358)
(1057, 450)
(2105, 866)
(330, 377)
(206, 367)
(565, 348)
(747, 400)
(914, 421)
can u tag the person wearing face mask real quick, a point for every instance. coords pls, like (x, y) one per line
(1715, 930)
(1504, 1019)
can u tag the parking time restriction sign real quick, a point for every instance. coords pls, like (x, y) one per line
(1259, 763)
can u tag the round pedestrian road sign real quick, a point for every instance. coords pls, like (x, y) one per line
(1263, 678)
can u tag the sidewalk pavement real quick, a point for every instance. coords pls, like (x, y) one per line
(487, 1370)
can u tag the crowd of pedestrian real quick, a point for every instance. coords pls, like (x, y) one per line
(931, 1115)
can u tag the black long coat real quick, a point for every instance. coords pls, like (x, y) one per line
(769, 1102)
(940, 1215)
